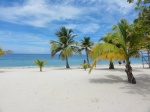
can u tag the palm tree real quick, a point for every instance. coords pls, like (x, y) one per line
(128, 44)
(40, 64)
(65, 45)
(107, 39)
(2, 52)
(106, 50)
(86, 45)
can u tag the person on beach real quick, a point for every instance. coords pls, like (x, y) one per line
(84, 65)
(119, 62)
(84, 61)
(124, 62)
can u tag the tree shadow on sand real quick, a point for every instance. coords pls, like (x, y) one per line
(142, 87)
(109, 80)
(4, 71)
(119, 69)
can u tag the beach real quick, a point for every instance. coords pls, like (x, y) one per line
(56, 89)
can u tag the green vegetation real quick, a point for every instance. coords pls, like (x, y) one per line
(40, 64)
(130, 43)
(139, 2)
(65, 45)
(86, 45)
(126, 39)
(107, 39)
(122, 44)
(85, 66)
(2, 52)
(142, 23)
(106, 49)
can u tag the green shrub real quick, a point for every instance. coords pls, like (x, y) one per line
(40, 63)
(85, 65)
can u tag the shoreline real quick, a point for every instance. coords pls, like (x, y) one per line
(74, 66)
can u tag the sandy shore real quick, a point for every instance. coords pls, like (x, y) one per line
(74, 90)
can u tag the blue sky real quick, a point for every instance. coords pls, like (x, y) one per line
(27, 26)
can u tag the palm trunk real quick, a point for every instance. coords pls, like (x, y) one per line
(111, 65)
(130, 76)
(67, 64)
(87, 57)
(148, 51)
(40, 69)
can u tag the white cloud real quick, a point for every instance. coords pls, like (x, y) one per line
(22, 38)
(18, 48)
(89, 28)
(121, 6)
(84, 28)
(89, 14)
(24, 42)
(88, 17)
(38, 13)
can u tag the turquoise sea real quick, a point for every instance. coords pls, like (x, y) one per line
(27, 60)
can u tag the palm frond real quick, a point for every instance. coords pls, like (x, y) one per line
(106, 50)
(40, 63)
(2, 52)
(94, 64)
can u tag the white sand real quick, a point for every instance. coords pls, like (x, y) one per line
(74, 90)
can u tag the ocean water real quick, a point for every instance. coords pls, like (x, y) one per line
(27, 60)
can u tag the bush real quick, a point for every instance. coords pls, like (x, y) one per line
(40, 63)
(85, 65)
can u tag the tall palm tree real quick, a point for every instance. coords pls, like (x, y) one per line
(86, 45)
(129, 44)
(65, 45)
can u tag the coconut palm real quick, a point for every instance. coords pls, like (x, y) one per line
(40, 64)
(130, 44)
(86, 45)
(107, 39)
(125, 45)
(2, 52)
(105, 50)
(65, 45)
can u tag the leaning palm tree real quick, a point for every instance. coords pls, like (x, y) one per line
(40, 64)
(100, 51)
(86, 45)
(129, 44)
(65, 45)
(105, 50)
(108, 39)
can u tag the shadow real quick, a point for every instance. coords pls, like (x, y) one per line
(119, 69)
(142, 87)
(40, 71)
(61, 68)
(5, 71)
(109, 80)
(146, 68)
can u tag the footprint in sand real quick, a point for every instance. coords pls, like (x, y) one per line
(95, 100)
